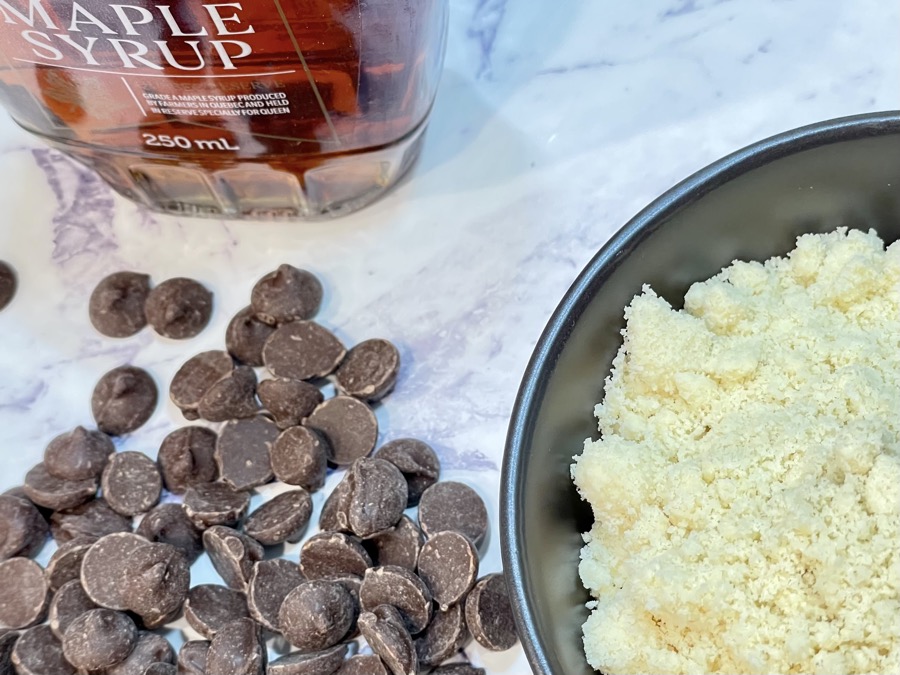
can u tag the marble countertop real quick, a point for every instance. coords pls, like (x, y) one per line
(555, 123)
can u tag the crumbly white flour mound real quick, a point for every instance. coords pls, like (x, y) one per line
(746, 486)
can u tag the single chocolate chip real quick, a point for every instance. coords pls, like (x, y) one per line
(270, 583)
(245, 337)
(232, 554)
(325, 662)
(363, 664)
(242, 452)
(24, 593)
(116, 306)
(178, 308)
(448, 564)
(158, 581)
(348, 425)
(458, 669)
(39, 652)
(208, 504)
(123, 400)
(99, 638)
(302, 350)
(489, 614)
(299, 457)
(329, 554)
(7, 642)
(400, 588)
(131, 483)
(186, 457)
(106, 567)
(377, 496)
(23, 529)
(192, 657)
(399, 545)
(334, 516)
(208, 607)
(287, 294)
(92, 520)
(195, 377)
(45, 489)
(316, 615)
(237, 649)
(288, 401)
(281, 519)
(449, 505)
(160, 668)
(149, 649)
(369, 371)
(232, 397)
(8, 284)
(169, 524)
(386, 634)
(78, 454)
(65, 563)
(68, 603)
(418, 463)
(446, 635)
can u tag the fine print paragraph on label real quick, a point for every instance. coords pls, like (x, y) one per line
(230, 105)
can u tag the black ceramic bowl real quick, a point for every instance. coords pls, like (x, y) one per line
(750, 206)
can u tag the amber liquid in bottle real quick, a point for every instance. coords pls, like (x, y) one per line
(253, 109)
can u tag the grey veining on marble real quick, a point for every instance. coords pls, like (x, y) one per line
(555, 123)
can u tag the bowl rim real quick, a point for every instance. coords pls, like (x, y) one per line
(549, 346)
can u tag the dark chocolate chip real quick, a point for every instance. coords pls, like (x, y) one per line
(245, 337)
(232, 397)
(348, 425)
(237, 649)
(178, 308)
(68, 603)
(7, 642)
(123, 400)
(449, 505)
(208, 607)
(352, 585)
(399, 545)
(288, 401)
(195, 377)
(418, 463)
(369, 371)
(363, 664)
(92, 520)
(65, 563)
(334, 516)
(192, 657)
(300, 457)
(242, 452)
(458, 669)
(448, 564)
(78, 454)
(149, 649)
(169, 524)
(8, 284)
(23, 529)
(302, 350)
(445, 636)
(45, 489)
(281, 519)
(39, 652)
(489, 614)
(325, 662)
(386, 634)
(287, 294)
(270, 583)
(232, 554)
(160, 668)
(106, 566)
(99, 638)
(186, 457)
(24, 593)
(329, 554)
(396, 586)
(158, 581)
(131, 483)
(208, 504)
(377, 496)
(316, 615)
(116, 306)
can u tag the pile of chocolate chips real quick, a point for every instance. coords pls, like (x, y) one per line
(410, 588)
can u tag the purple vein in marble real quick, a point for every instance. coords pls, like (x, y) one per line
(485, 23)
